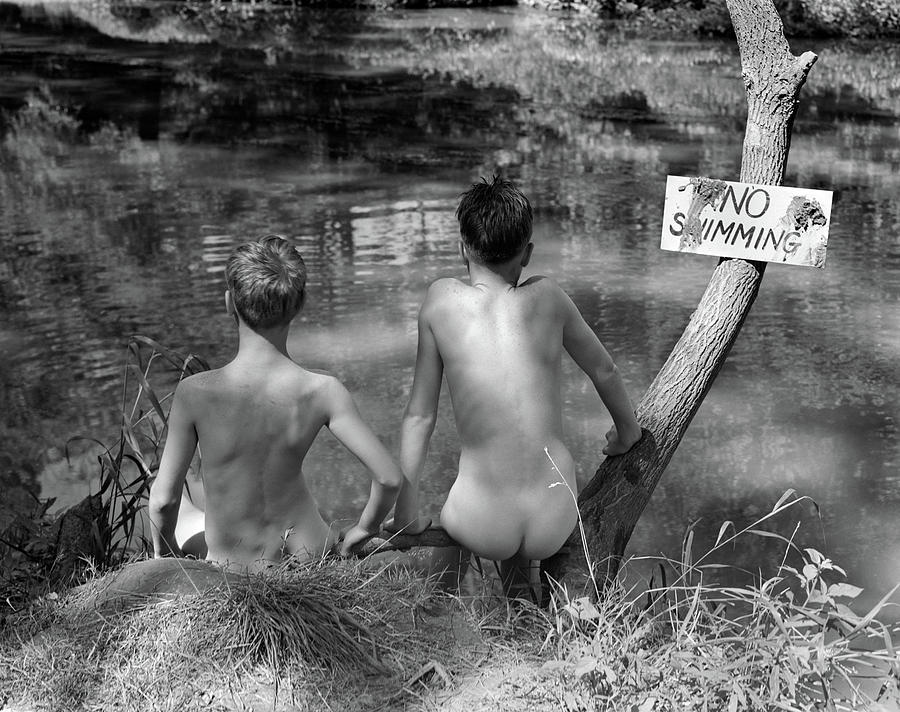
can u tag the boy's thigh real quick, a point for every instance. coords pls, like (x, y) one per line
(190, 530)
(195, 546)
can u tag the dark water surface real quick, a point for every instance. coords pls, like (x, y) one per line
(141, 145)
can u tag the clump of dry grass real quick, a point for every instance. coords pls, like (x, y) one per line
(329, 635)
(293, 636)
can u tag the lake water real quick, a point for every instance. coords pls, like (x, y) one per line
(159, 137)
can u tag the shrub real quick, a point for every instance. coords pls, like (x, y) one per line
(838, 18)
(40, 550)
(790, 641)
(866, 18)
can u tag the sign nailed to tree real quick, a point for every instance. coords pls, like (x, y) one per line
(765, 223)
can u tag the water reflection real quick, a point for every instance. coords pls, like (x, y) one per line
(356, 146)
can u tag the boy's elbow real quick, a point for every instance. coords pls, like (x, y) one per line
(419, 422)
(603, 374)
(161, 505)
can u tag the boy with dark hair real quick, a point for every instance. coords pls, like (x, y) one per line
(499, 343)
(254, 421)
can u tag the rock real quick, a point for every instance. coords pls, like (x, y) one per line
(77, 538)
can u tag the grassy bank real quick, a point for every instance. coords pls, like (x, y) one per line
(343, 635)
(806, 18)
(301, 637)
(375, 635)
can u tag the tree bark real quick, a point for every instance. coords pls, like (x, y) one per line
(614, 499)
(434, 536)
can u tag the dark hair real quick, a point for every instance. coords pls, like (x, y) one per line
(494, 220)
(267, 281)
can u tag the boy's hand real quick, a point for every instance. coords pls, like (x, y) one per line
(617, 445)
(415, 527)
(355, 537)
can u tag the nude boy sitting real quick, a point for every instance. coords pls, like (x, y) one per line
(499, 342)
(254, 421)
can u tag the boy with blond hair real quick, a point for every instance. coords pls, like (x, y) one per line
(254, 420)
(499, 340)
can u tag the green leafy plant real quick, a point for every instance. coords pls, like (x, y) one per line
(127, 469)
(27, 541)
(790, 641)
(40, 550)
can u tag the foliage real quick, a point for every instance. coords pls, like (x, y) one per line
(41, 113)
(834, 18)
(866, 18)
(127, 470)
(34, 551)
(790, 641)
(45, 126)
(682, 18)
(309, 636)
(27, 547)
(290, 25)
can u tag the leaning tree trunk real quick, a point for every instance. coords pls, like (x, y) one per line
(616, 496)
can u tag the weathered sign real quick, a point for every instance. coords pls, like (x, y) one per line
(765, 223)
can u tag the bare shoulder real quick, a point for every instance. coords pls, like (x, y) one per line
(331, 395)
(195, 385)
(440, 292)
(324, 384)
(316, 390)
(193, 392)
(442, 288)
(312, 381)
(545, 288)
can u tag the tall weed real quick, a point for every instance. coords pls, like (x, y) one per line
(38, 549)
(791, 641)
(127, 469)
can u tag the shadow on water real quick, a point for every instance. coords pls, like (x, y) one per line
(140, 146)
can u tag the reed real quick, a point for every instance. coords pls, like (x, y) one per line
(40, 550)
(127, 468)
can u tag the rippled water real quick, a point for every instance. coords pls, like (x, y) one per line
(346, 139)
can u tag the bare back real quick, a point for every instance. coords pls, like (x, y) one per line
(255, 422)
(501, 352)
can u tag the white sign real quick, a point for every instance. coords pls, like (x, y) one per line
(765, 223)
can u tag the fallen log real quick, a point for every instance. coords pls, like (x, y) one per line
(387, 541)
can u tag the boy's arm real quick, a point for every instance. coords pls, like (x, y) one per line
(418, 424)
(585, 348)
(347, 425)
(165, 493)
